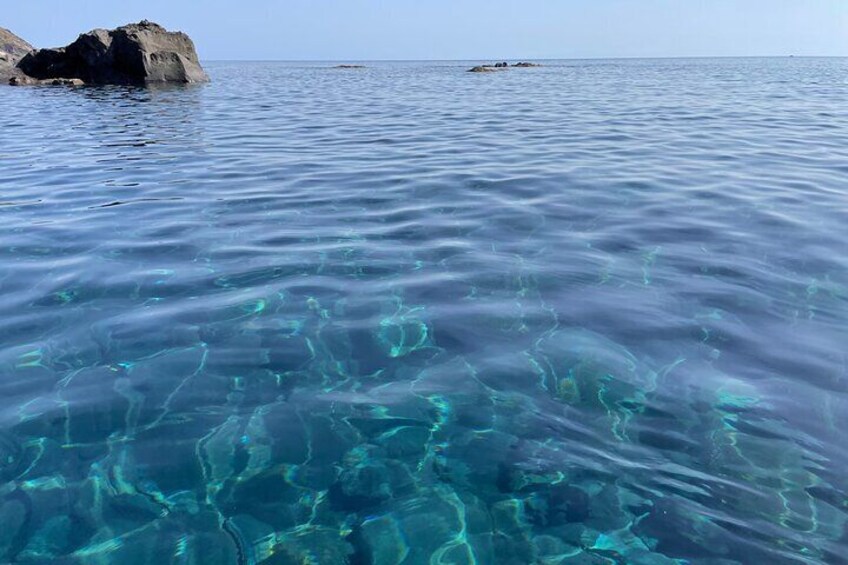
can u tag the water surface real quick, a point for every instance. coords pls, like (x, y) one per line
(595, 312)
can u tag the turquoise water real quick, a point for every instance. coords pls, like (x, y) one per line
(593, 313)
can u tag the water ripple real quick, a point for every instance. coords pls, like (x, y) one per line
(593, 312)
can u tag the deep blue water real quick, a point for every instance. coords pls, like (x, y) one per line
(591, 313)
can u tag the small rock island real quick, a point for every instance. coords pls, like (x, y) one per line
(500, 67)
(139, 53)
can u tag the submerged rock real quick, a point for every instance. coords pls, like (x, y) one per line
(50, 540)
(482, 69)
(133, 54)
(523, 64)
(11, 457)
(13, 515)
(350, 66)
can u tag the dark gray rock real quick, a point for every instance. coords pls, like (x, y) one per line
(495, 67)
(500, 67)
(133, 54)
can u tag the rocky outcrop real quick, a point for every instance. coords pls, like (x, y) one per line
(12, 47)
(133, 54)
(349, 66)
(23, 80)
(482, 69)
(12, 50)
(499, 67)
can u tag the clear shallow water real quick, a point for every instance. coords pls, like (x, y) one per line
(595, 312)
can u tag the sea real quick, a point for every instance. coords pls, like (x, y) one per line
(594, 312)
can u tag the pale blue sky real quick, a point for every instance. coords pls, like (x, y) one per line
(459, 29)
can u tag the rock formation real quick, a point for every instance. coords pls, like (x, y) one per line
(499, 67)
(133, 54)
(12, 50)
(12, 47)
(23, 80)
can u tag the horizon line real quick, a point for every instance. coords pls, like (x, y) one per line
(466, 60)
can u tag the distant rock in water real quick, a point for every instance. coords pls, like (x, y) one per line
(133, 54)
(350, 66)
(499, 66)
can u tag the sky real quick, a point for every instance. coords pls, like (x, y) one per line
(349, 30)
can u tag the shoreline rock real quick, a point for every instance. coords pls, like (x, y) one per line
(12, 47)
(132, 54)
(24, 80)
(12, 50)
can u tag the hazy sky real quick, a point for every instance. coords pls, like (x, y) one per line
(458, 29)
